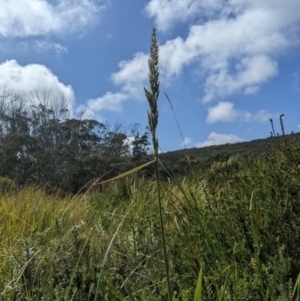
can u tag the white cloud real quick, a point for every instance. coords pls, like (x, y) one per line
(251, 90)
(217, 139)
(137, 65)
(250, 72)
(174, 55)
(110, 102)
(131, 77)
(223, 111)
(49, 46)
(264, 116)
(186, 141)
(23, 18)
(260, 116)
(166, 12)
(232, 59)
(234, 44)
(132, 74)
(26, 79)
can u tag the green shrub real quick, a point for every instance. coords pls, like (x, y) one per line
(6, 185)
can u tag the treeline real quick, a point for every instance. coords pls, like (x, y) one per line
(42, 144)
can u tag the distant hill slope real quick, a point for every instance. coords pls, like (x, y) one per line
(203, 157)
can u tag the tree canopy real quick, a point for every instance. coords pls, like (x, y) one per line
(41, 143)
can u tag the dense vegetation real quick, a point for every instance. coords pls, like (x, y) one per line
(238, 221)
(41, 144)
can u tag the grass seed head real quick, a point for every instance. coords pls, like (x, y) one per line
(153, 94)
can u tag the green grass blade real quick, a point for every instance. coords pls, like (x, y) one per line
(225, 284)
(107, 252)
(198, 218)
(198, 292)
(296, 290)
(127, 173)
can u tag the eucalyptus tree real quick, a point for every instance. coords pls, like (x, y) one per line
(140, 142)
(42, 142)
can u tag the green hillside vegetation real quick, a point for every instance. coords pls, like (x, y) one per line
(238, 222)
(203, 157)
(42, 145)
(216, 223)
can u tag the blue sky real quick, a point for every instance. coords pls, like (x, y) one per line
(228, 66)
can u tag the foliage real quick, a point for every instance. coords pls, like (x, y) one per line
(6, 185)
(140, 144)
(238, 223)
(40, 144)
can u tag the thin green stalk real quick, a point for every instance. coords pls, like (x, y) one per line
(77, 264)
(196, 215)
(163, 231)
(107, 252)
(152, 97)
(256, 247)
(178, 126)
(296, 290)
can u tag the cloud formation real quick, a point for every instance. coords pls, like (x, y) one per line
(23, 80)
(186, 141)
(132, 74)
(249, 74)
(225, 112)
(234, 45)
(166, 12)
(261, 116)
(131, 78)
(25, 18)
(46, 46)
(109, 102)
(218, 139)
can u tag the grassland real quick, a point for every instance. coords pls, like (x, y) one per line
(238, 223)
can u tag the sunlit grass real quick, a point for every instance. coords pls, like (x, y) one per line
(237, 223)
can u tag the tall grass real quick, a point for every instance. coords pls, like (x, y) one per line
(152, 97)
(238, 224)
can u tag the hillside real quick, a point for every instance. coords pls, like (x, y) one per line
(205, 156)
(235, 229)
